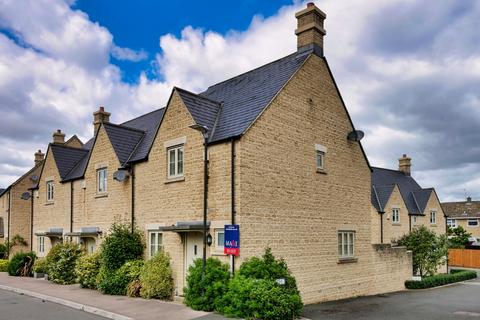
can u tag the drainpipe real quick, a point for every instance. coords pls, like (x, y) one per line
(9, 209)
(71, 206)
(381, 227)
(205, 201)
(31, 221)
(409, 223)
(232, 257)
(132, 172)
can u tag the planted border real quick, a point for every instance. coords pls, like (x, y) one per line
(441, 279)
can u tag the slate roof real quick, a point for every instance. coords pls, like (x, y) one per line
(2, 191)
(383, 182)
(462, 209)
(131, 141)
(66, 158)
(244, 97)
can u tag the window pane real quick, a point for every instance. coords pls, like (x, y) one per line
(319, 159)
(350, 251)
(171, 158)
(159, 240)
(220, 239)
(339, 244)
(180, 161)
(345, 244)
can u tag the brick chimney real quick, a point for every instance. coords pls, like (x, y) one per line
(100, 116)
(58, 137)
(404, 164)
(39, 156)
(310, 31)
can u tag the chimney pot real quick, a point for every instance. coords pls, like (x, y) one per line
(58, 137)
(405, 164)
(469, 199)
(39, 156)
(99, 117)
(310, 31)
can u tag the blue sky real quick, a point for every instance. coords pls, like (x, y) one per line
(138, 24)
(409, 71)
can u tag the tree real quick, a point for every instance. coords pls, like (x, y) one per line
(429, 250)
(458, 237)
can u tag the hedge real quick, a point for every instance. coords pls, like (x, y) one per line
(22, 264)
(441, 279)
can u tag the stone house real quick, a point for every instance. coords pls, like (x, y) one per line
(16, 205)
(400, 204)
(284, 162)
(465, 214)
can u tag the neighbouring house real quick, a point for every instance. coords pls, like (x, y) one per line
(401, 204)
(284, 162)
(465, 214)
(16, 204)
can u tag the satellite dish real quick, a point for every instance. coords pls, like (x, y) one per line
(25, 196)
(120, 175)
(355, 135)
(34, 178)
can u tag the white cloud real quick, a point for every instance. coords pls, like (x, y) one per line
(128, 54)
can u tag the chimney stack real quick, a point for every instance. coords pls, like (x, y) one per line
(39, 156)
(404, 164)
(469, 199)
(310, 31)
(100, 116)
(58, 137)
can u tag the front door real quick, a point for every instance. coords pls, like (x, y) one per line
(193, 249)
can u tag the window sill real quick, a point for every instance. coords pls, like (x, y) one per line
(433, 224)
(172, 180)
(101, 195)
(396, 224)
(322, 171)
(347, 260)
(50, 203)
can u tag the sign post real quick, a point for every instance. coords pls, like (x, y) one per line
(232, 239)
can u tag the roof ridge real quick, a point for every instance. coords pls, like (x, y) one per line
(123, 127)
(249, 71)
(198, 95)
(416, 202)
(376, 197)
(66, 147)
(143, 115)
(399, 171)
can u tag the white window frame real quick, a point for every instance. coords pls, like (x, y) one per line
(320, 153)
(395, 215)
(50, 190)
(433, 217)
(41, 244)
(102, 188)
(219, 246)
(346, 244)
(176, 150)
(157, 245)
(472, 220)
(452, 223)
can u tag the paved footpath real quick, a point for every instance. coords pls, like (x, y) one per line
(113, 307)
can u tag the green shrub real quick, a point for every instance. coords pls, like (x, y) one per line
(61, 262)
(3, 265)
(86, 270)
(255, 293)
(22, 264)
(3, 251)
(121, 245)
(260, 299)
(156, 279)
(116, 282)
(40, 266)
(204, 292)
(133, 288)
(441, 279)
(458, 237)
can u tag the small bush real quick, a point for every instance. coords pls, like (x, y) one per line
(116, 282)
(61, 261)
(40, 266)
(440, 280)
(255, 294)
(133, 288)
(22, 264)
(156, 278)
(3, 265)
(3, 251)
(86, 270)
(204, 292)
(121, 245)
